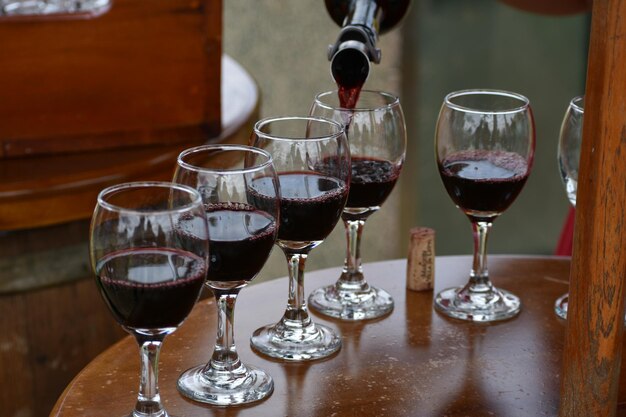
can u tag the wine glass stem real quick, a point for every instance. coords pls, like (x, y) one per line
(352, 273)
(225, 356)
(149, 399)
(479, 276)
(296, 304)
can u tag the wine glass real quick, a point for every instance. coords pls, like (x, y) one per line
(312, 159)
(570, 140)
(377, 135)
(242, 232)
(148, 272)
(485, 145)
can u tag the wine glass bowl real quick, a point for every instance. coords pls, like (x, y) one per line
(149, 273)
(242, 232)
(377, 135)
(570, 141)
(485, 142)
(312, 159)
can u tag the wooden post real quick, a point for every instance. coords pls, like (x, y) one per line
(593, 341)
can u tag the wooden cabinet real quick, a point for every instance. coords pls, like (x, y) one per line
(90, 102)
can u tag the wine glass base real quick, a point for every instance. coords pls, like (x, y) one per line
(251, 385)
(560, 306)
(351, 305)
(161, 413)
(294, 343)
(493, 306)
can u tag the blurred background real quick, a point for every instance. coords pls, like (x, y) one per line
(440, 46)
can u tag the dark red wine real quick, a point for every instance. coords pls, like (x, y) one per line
(310, 204)
(348, 96)
(483, 183)
(372, 181)
(151, 288)
(240, 241)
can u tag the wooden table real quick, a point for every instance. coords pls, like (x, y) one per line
(413, 362)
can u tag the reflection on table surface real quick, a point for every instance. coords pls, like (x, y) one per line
(411, 362)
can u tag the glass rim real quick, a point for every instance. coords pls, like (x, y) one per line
(394, 101)
(225, 147)
(102, 202)
(577, 103)
(263, 122)
(480, 91)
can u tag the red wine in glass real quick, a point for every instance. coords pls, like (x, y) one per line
(483, 183)
(148, 273)
(372, 181)
(310, 204)
(485, 146)
(240, 241)
(377, 135)
(312, 197)
(241, 236)
(139, 284)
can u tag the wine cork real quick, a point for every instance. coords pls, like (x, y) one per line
(420, 271)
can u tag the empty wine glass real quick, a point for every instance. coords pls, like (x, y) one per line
(570, 140)
(377, 135)
(312, 159)
(485, 144)
(242, 231)
(148, 272)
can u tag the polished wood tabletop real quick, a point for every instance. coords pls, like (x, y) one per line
(413, 362)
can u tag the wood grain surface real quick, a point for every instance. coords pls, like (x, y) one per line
(593, 347)
(87, 103)
(413, 362)
(131, 76)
